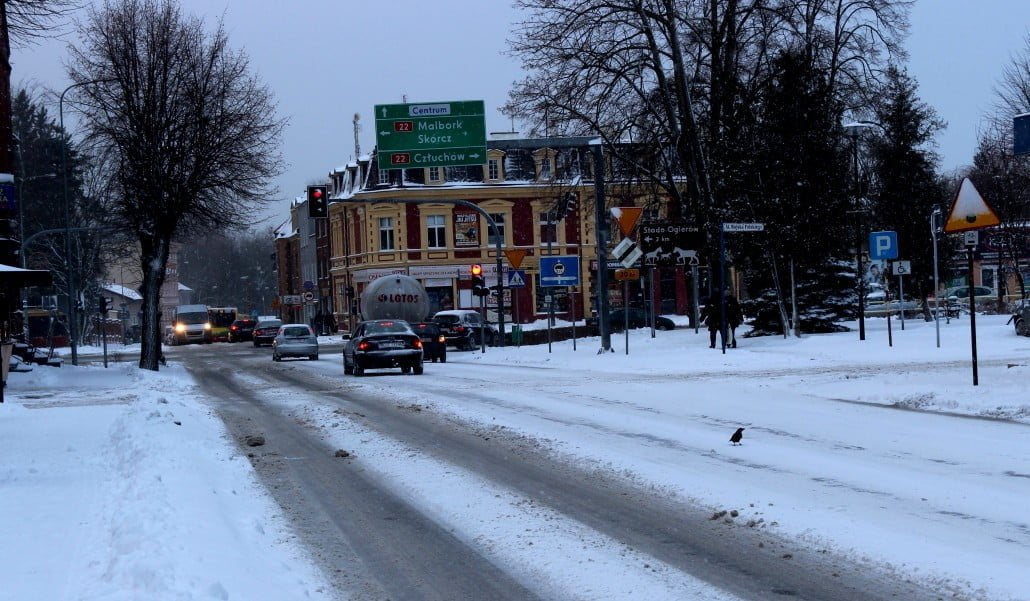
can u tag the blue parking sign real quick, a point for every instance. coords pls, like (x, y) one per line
(883, 245)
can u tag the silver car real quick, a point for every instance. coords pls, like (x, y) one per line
(295, 340)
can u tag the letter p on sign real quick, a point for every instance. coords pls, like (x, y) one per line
(883, 245)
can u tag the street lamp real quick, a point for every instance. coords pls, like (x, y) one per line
(70, 273)
(854, 128)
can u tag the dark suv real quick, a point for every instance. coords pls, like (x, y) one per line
(242, 329)
(461, 328)
(434, 343)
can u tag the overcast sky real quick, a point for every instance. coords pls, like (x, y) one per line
(326, 60)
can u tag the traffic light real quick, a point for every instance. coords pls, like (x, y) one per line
(103, 305)
(478, 283)
(318, 201)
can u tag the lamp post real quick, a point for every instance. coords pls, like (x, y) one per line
(854, 128)
(70, 273)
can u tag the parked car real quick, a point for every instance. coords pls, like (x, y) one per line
(295, 340)
(242, 329)
(877, 305)
(266, 331)
(961, 293)
(434, 343)
(383, 343)
(638, 318)
(1021, 319)
(461, 328)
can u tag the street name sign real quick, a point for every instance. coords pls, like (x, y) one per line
(431, 134)
(743, 227)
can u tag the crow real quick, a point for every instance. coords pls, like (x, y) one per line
(735, 439)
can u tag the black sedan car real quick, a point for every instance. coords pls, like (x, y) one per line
(638, 318)
(383, 343)
(242, 329)
(434, 343)
(266, 331)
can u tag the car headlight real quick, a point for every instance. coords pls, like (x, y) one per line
(180, 328)
(207, 326)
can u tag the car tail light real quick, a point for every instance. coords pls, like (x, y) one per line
(442, 338)
(364, 346)
(234, 327)
(417, 343)
(459, 329)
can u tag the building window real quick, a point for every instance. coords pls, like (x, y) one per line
(493, 169)
(436, 231)
(384, 176)
(499, 221)
(435, 175)
(545, 168)
(548, 228)
(386, 233)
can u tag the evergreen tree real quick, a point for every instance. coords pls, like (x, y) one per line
(798, 190)
(906, 187)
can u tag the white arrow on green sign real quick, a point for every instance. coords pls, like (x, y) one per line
(431, 134)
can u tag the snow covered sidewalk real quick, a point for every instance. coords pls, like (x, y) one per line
(120, 484)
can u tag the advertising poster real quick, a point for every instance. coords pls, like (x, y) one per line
(466, 228)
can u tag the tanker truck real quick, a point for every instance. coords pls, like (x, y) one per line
(395, 296)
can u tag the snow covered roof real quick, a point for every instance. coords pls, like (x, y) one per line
(122, 291)
(184, 287)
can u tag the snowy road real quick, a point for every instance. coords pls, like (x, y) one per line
(598, 484)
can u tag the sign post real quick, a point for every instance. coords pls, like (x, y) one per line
(970, 212)
(901, 268)
(883, 246)
(729, 227)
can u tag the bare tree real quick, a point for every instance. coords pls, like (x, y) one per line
(190, 132)
(1002, 177)
(21, 22)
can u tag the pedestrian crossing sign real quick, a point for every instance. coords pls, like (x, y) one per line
(516, 278)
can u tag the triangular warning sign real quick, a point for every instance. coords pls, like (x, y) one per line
(515, 280)
(515, 256)
(969, 211)
(628, 217)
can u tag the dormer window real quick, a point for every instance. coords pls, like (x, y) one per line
(545, 168)
(435, 175)
(544, 159)
(494, 172)
(384, 176)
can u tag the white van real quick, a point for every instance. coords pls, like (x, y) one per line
(191, 324)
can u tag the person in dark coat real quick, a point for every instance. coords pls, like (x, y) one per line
(733, 318)
(712, 315)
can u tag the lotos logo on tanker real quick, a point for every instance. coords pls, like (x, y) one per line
(398, 298)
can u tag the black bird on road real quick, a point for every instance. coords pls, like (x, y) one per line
(735, 439)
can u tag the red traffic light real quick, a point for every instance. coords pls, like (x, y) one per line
(476, 269)
(316, 193)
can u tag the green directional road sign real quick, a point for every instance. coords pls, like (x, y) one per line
(430, 134)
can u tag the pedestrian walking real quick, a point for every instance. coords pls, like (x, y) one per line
(733, 318)
(712, 316)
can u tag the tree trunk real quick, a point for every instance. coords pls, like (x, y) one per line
(154, 257)
(6, 164)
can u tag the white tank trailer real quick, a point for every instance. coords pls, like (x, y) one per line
(395, 297)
